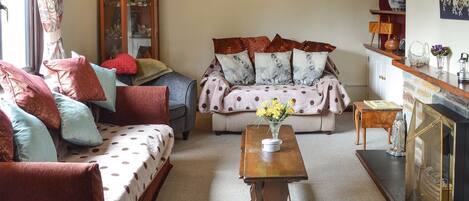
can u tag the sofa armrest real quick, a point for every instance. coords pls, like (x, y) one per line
(179, 86)
(139, 105)
(50, 181)
(182, 90)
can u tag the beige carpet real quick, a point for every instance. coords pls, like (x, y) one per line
(206, 168)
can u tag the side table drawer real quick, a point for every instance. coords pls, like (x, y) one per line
(378, 119)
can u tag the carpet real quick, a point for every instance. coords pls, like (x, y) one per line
(206, 167)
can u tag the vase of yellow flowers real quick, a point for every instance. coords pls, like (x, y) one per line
(275, 112)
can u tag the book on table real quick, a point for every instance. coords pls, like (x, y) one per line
(381, 105)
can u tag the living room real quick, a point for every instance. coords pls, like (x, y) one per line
(234, 100)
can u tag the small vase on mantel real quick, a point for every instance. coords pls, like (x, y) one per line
(440, 64)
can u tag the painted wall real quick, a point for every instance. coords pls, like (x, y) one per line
(424, 24)
(187, 27)
(80, 28)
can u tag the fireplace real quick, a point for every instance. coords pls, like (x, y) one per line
(437, 161)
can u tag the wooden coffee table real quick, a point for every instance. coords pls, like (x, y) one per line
(269, 173)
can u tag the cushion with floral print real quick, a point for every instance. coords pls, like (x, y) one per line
(308, 66)
(237, 68)
(273, 68)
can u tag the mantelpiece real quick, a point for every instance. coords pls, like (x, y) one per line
(446, 81)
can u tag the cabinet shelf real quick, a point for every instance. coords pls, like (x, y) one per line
(387, 12)
(383, 52)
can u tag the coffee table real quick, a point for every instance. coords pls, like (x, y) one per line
(268, 174)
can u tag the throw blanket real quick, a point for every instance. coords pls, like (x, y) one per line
(217, 96)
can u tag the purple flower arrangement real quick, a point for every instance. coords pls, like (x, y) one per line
(440, 51)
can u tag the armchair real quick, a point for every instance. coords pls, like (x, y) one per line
(182, 100)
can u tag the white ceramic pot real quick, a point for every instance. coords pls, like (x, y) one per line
(271, 145)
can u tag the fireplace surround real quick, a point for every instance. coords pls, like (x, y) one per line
(437, 162)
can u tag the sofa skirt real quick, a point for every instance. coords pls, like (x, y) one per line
(237, 122)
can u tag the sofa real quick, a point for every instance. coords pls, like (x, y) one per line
(233, 105)
(182, 99)
(131, 164)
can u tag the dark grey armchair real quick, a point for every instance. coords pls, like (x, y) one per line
(182, 100)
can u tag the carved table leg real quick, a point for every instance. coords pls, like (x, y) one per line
(357, 126)
(389, 135)
(270, 191)
(364, 138)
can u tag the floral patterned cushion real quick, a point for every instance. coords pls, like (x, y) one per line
(237, 68)
(273, 68)
(308, 67)
(129, 158)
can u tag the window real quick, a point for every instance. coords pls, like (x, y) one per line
(14, 29)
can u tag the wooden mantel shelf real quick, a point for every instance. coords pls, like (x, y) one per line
(446, 81)
(383, 52)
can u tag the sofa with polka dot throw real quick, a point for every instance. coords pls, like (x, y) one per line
(131, 164)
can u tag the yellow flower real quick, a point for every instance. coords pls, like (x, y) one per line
(261, 112)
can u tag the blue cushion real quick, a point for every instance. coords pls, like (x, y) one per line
(33, 142)
(107, 79)
(77, 123)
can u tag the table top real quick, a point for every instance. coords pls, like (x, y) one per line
(361, 106)
(256, 165)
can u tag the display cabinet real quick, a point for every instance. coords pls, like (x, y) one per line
(128, 26)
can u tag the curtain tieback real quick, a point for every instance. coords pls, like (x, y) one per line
(54, 36)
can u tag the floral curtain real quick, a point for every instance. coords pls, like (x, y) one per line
(51, 12)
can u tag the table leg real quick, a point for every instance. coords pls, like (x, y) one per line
(357, 127)
(256, 191)
(270, 191)
(364, 138)
(389, 135)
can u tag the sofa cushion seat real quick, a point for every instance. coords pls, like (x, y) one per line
(129, 158)
(176, 111)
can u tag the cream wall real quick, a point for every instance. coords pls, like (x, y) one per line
(424, 24)
(80, 27)
(187, 27)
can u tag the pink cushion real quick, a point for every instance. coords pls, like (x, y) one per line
(31, 93)
(124, 63)
(76, 79)
(6, 139)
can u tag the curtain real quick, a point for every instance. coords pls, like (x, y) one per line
(36, 38)
(51, 12)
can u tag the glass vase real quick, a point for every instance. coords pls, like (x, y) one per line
(274, 127)
(440, 63)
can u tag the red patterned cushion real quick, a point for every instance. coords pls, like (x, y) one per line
(280, 44)
(311, 46)
(228, 45)
(76, 78)
(255, 44)
(31, 93)
(123, 63)
(6, 139)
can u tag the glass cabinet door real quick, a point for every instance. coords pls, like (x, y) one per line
(111, 22)
(139, 28)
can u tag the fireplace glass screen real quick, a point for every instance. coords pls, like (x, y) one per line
(430, 156)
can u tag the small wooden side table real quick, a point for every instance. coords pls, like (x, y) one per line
(371, 118)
